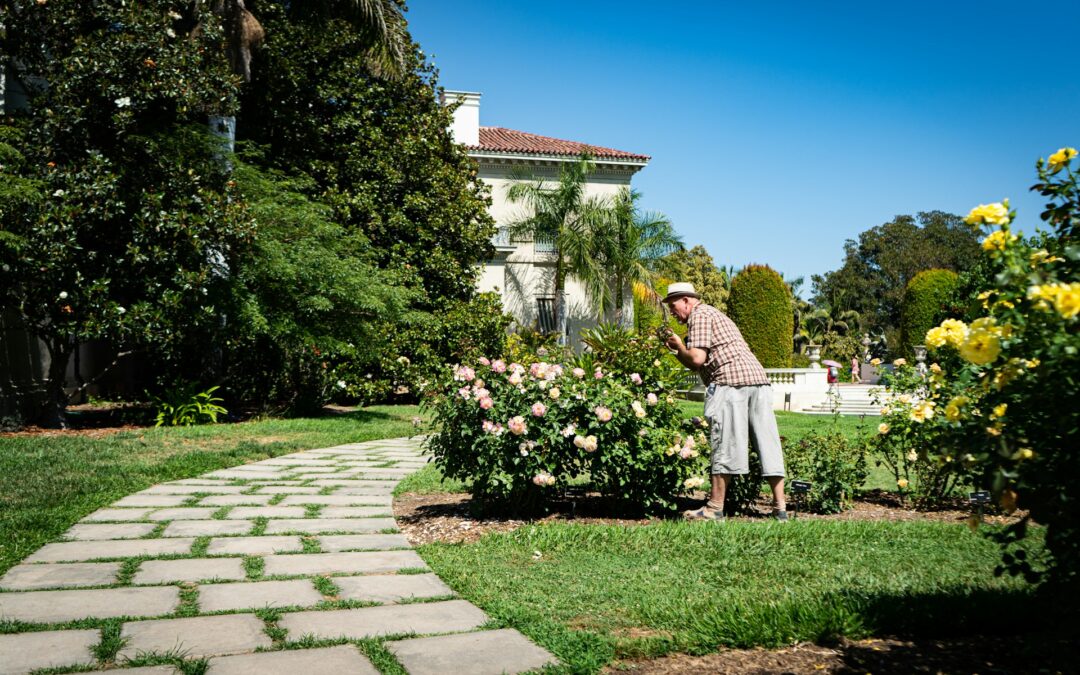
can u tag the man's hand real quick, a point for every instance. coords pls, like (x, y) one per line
(674, 343)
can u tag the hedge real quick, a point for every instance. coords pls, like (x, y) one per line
(760, 305)
(927, 300)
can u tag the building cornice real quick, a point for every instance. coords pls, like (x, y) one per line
(488, 159)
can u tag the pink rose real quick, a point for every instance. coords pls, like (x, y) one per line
(464, 393)
(578, 373)
(517, 425)
(484, 361)
(486, 403)
(538, 409)
(603, 414)
(651, 399)
(635, 378)
(464, 373)
(598, 374)
(498, 366)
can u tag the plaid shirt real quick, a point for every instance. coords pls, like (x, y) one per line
(728, 359)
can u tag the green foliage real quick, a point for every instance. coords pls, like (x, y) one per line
(878, 266)
(1013, 413)
(378, 151)
(185, 405)
(696, 266)
(134, 223)
(760, 305)
(928, 298)
(835, 465)
(516, 435)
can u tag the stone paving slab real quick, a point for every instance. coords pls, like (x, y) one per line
(318, 525)
(424, 617)
(362, 562)
(206, 487)
(95, 531)
(141, 670)
(27, 577)
(257, 595)
(332, 543)
(190, 569)
(151, 500)
(196, 481)
(489, 652)
(357, 512)
(339, 500)
(353, 483)
(267, 512)
(112, 515)
(297, 461)
(255, 545)
(236, 500)
(302, 470)
(184, 513)
(289, 490)
(23, 652)
(365, 488)
(195, 637)
(92, 550)
(391, 587)
(60, 606)
(342, 660)
(206, 528)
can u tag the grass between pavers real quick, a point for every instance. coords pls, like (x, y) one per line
(49, 482)
(597, 593)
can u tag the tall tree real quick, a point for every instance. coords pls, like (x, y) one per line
(630, 246)
(562, 213)
(696, 266)
(878, 266)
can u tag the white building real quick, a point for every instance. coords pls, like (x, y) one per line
(523, 272)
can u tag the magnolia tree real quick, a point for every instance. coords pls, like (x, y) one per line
(520, 433)
(1005, 399)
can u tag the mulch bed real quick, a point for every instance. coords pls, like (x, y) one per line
(447, 518)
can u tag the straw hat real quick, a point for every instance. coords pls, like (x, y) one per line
(680, 289)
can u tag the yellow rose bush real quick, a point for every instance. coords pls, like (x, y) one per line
(1009, 393)
(915, 416)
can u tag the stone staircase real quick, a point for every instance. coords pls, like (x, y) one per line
(848, 399)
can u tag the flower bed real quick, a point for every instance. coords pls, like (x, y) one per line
(520, 434)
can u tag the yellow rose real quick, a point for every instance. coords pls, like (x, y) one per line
(1067, 300)
(900, 362)
(935, 368)
(883, 428)
(1022, 454)
(1059, 159)
(997, 240)
(902, 483)
(989, 214)
(875, 362)
(936, 337)
(954, 409)
(923, 411)
(912, 456)
(981, 347)
(999, 410)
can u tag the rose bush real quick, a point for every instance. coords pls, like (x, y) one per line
(517, 433)
(1012, 412)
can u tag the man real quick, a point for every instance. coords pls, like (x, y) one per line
(738, 401)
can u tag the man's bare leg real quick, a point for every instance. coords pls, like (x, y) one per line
(778, 499)
(719, 491)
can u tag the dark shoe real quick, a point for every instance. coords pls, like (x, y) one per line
(780, 516)
(704, 513)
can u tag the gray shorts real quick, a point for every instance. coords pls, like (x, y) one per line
(738, 416)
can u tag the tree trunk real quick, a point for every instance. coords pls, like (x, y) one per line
(560, 304)
(619, 303)
(56, 399)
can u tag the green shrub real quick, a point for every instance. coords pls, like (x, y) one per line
(760, 305)
(185, 406)
(833, 463)
(927, 300)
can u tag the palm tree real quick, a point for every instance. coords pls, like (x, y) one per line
(382, 21)
(563, 214)
(629, 246)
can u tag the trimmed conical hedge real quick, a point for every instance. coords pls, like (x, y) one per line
(927, 300)
(760, 305)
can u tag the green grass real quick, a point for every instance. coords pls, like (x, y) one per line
(49, 482)
(600, 592)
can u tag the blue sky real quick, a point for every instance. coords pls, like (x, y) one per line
(779, 129)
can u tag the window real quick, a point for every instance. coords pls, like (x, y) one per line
(544, 245)
(546, 321)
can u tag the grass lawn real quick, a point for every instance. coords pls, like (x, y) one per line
(594, 593)
(48, 482)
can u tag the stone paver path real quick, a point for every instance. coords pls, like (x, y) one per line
(289, 565)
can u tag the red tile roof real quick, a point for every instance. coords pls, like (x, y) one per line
(497, 139)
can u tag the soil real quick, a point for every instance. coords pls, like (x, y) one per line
(447, 518)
